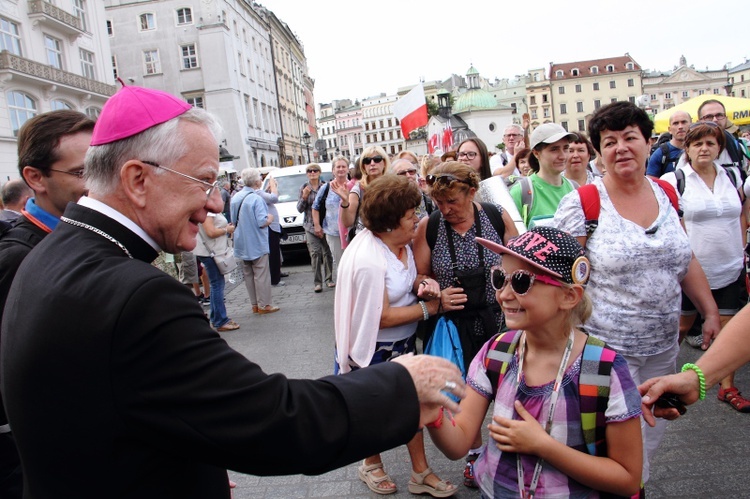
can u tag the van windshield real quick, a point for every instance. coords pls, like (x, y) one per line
(289, 185)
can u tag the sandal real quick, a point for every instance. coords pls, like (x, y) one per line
(373, 482)
(469, 480)
(417, 485)
(732, 397)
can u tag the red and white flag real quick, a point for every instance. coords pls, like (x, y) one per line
(447, 136)
(411, 110)
(433, 143)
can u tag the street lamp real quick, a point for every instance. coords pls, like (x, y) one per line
(306, 140)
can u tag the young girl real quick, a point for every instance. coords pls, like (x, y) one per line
(539, 444)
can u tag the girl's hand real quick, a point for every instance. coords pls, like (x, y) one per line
(428, 289)
(526, 436)
(453, 299)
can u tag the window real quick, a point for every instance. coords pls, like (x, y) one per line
(147, 21)
(532, 101)
(10, 39)
(544, 98)
(685, 94)
(579, 107)
(578, 88)
(197, 101)
(93, 112)
(563, 109)
(613, 84)
(581, 125)
(631, 83)
(594, 70)
(57, 105)
(533, 114)
(716, 91)
(559, 73)
(610, 68)
(613, 99)
(87, 64)
(189, 56)
(21, 107)
(184, 16)
(596, 85)
(631, 99)
(564, 124)
(653, 96)
(597, 104)
(151, 64)
(79, 10)
(701, 92)
(114, 66)
(53, 46)
(574, 72)
(668, 95)
(629, 66)
(110, 28)
(560, 90)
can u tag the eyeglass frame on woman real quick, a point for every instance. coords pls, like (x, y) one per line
(211, 187)
(431, 179)
(77, 173)
(467, 154)
(313, 170)
(375, 159)
(533, 277)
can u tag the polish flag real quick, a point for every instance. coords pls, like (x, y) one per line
(447, 136)
(411, 110)
(433, 143)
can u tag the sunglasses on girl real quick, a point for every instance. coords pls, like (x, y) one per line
(445, 179)
(374, 159)
(520, 280)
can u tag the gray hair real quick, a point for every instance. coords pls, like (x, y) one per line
(250, 176)
(161, 144)
(518, 128)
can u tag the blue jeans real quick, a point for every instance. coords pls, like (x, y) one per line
(217, 310)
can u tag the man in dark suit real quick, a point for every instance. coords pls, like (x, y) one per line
(112, 375)
(51, 148)
(14, 195)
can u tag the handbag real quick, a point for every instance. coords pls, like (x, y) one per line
(225, 262)
(445, 343)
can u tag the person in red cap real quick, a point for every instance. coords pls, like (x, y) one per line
(111, 372)
(549, 381)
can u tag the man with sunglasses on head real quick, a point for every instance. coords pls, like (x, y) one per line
(51, 148)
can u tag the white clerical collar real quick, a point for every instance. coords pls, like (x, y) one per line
(110, 212)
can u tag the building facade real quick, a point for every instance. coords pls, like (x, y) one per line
(349, 131)
(667, 89)
(55, 55)
(739, 79)
(538, 97)
(580, 88)
(381, 127)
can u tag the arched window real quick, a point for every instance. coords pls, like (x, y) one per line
(559, 73)
(574, 72)
(147, 21)
(610, 68)
(93, 112)
(56, 105)
(21, 107)
(594, 70)
(629, 65)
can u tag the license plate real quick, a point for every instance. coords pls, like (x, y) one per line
(294, 239)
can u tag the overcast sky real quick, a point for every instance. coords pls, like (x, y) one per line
(359, 49)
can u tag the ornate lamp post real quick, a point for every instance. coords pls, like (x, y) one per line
(306, 141)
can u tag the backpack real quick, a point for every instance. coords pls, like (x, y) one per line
(591, 203)
(663, 139)
(527, 196)
(679, 175)
(323, 197)
(736, 154)
(22, 237)
(593, 383)
(495, 216)
(665, 159)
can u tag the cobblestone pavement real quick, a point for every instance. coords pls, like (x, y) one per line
(705, 453)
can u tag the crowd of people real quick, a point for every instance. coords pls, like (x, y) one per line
(629, 247)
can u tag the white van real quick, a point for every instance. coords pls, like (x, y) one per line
(290, 179)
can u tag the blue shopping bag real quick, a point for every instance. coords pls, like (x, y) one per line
(444, 343)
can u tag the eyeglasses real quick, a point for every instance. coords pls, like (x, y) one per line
(313, 171)
(445, 179)
(409, 171)
(710, 117)
(467, 154)
(75, 173)
(509, 135)
(211, 187)
(699, 123)
(520, 280)
(374, 159)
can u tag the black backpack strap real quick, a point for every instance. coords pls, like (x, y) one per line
(428, 203)
(679, 176)
(664, 148)
(433, 225)
(495, 216)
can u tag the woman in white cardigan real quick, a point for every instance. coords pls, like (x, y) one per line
(379, 300)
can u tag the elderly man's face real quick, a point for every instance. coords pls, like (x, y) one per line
(176, 204)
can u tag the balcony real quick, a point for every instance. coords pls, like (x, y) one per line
(36, 73)
(55, 17)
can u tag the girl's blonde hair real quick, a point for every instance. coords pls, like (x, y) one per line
(371, 152)
(581, 312)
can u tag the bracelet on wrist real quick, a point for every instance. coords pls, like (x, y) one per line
(425, 312)
(701, 379)
(438, 422)
(344, 207)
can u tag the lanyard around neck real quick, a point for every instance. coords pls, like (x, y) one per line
(550, 414)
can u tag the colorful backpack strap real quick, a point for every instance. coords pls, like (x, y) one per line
(593, 389)
(591, 205)
(500, 354)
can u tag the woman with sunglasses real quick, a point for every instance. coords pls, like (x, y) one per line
(539, 446)
(320, 254)
(374, 162)
(473, 152)
(379, 300)
(640, 256)
(444, 247)
(712, 204)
